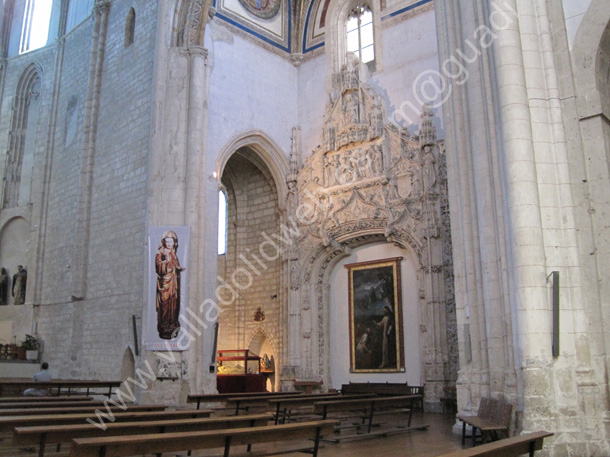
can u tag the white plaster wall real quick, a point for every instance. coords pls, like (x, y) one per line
(410, 74)
(574, 10)
(339, 320)
(250, 89)
(312, 102)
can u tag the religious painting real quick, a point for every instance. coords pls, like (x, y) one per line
(375, 316)
(265, 9)
(167, 289)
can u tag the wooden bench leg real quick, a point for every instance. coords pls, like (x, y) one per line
(316, 443)
(532, 448)
(371, 417)
(227, 446)
(43, 440)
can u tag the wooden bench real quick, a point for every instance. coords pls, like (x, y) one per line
(10, 422)
(239, 402)
(56, 434)
(55, 387)
(216, 398)
(226, 438)
(4, 400)
(508, 447)
(368, 407)
(493, 417)
(283, 406)
(449, 399)
(385, 388)
(74, 410)
(50, 404)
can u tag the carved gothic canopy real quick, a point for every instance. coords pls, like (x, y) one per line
(368, 176)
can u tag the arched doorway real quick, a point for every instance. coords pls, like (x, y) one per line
(251, 267)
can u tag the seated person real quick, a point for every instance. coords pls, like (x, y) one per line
(42, 376)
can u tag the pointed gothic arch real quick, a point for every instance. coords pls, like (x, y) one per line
(267, 150)
(253, 170)
(190, 17)
(588, 43)
(24, 125)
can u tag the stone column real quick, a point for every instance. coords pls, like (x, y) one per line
(81, 238)
(200, 213)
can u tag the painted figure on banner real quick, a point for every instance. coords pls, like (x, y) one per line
(3, 286)
(19, 282)
(386, 325)
(168, 269)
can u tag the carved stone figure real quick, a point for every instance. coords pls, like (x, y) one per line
(351, 108)
(428, 171)
(19, 283)
(416, 188)
(3, 286)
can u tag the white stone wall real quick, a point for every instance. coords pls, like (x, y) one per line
(86, 339)
(251, 90)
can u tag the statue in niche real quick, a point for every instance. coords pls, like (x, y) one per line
(328, 172)
(351, 108)
(429, 173)
(291, 201)
(3, 286)
(19, 283)
(416, 189)
(259, 315)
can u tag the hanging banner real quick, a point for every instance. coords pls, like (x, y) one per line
(167, 288)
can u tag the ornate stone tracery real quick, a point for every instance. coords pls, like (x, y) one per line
(368, 182)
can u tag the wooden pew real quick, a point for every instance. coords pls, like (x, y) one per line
(385, 388)
(283, 406)
(173, 442)
(493, 417)
(215, 398)
(10, 422)
(50, 404)
(368, 406)
(4, 400)
(241, 402)
(56, 434)
(75, 410)
(507, 447)
(55, 387)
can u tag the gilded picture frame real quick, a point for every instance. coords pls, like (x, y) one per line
(375, 316)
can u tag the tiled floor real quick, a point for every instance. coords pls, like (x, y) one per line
(433, 441)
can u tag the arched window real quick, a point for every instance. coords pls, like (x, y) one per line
(35, 26)
(130, 27)
(222, 222)
(360, 39)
